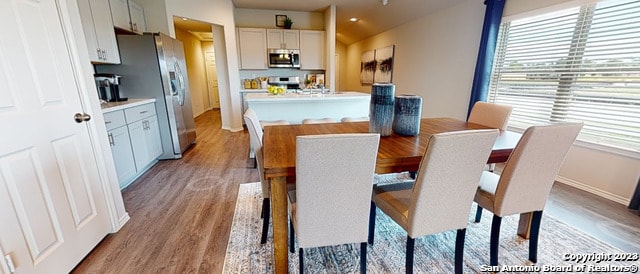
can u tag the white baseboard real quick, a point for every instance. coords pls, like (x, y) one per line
(593, 190)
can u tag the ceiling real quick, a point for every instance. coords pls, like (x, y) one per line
(374, 17)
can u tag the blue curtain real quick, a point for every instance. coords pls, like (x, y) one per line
(490, 28)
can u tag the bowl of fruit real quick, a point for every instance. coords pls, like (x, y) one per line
(276, 90)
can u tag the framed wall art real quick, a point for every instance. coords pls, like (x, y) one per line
(280, 20)
(367, 67)
(384, 65)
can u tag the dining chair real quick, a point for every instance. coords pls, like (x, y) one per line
(332, 199)
(441, 196)
(354, 119)
(525, 181)
(319, 121)
(490, 115)
(251, 114)
(255, 138)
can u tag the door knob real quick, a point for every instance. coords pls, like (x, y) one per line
(81, 117)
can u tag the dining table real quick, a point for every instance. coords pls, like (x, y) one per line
(396, 153)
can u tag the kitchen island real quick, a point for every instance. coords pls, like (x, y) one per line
(295, 107)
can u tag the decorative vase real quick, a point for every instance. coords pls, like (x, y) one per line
(381, 108)
(407, 114)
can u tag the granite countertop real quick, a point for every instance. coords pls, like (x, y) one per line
(132, 102)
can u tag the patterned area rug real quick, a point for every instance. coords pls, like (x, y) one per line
(433, 253)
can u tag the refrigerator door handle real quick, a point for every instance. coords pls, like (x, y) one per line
(180, 83)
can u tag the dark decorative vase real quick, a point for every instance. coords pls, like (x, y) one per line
(381, 108)
(408, 111)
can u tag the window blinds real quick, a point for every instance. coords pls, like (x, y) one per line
(579, 64)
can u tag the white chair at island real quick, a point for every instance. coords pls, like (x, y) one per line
(319, 121)
(355, 119)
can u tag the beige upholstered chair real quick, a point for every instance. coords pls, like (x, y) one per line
(354, 119)
(526, 180)
(319, 121)
(441, 197)
(255, 138)
(490, 115)
(251, 114)
(331, 203)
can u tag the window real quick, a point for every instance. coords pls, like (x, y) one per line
(579, 64)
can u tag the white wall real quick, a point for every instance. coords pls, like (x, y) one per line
(220, 13)
(434, 57)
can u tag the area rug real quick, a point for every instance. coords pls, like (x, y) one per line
(560, 246)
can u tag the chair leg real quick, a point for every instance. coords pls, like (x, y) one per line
(292, 236)
(409, 261)
(301, 260)
(495, 240)
(363, 258)
(533, 236)
(266, 208)
(460, 235)
(478, 214)
(372, 222)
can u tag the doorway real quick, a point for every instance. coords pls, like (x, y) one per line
(202, 67)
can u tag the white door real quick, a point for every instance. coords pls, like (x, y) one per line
(52, 209)
(212, 79)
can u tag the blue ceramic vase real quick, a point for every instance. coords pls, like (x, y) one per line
(381, 108)
(408, 111)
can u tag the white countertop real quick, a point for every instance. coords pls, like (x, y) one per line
(132, 102)
(341, 95)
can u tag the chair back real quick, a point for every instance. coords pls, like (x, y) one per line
(532, 167)
(490, 115)
(334, 182)
(255, 137)
(319, 121)
(447, 180)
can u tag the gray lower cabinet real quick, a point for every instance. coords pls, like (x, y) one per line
(134, 137)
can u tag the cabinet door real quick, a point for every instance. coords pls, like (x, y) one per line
(120, 14)
(253, 48)
(291, 39)
(139, 144)
(122, 155)
(152, 136)
(138, 22)
(312, 49)
(275, 38)
(98, 30)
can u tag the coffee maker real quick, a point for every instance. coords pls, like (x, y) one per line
(108, 87)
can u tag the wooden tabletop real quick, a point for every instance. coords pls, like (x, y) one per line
(396, 153)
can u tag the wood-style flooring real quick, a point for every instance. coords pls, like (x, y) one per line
(181, 210)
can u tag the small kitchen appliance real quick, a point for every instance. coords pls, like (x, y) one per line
(109, 87)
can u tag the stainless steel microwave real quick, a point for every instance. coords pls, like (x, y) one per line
(284, 58)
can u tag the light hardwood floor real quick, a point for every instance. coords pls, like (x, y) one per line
(181, 210)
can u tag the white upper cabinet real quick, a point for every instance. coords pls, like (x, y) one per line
(98, 31)
(128, 15)
(136, 12)
(312, 49)
(283, 39)
(252, 44)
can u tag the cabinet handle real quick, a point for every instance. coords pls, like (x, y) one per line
(135, 26)
(130, 25)
(111, 142)
(143, 112)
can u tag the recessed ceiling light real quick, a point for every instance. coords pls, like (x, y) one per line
(353, 19)
(185, 18)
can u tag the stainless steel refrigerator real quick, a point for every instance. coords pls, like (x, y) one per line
(153, 66)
